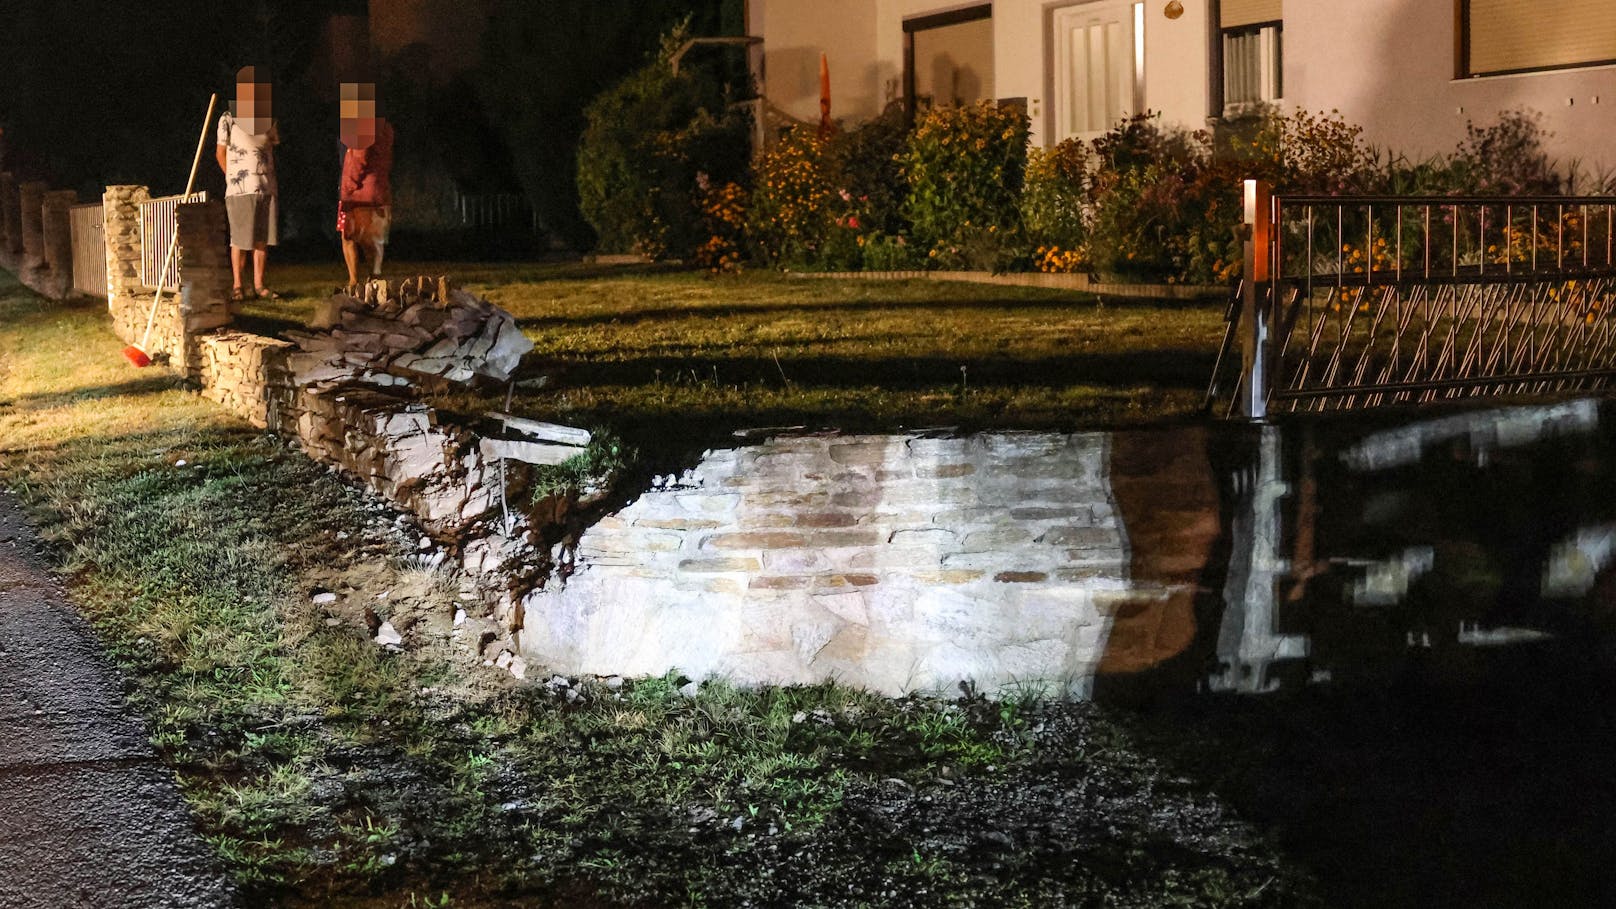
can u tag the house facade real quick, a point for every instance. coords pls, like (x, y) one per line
(1413, 73)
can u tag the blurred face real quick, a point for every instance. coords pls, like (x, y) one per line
(358, 114)
(253, 107)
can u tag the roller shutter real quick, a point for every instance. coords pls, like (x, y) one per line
(1515, 35)
(1237, 13)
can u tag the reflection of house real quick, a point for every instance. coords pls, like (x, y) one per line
(1412, 72)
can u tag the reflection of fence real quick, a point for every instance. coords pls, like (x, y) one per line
(493, 211)
(156, 232)
(88, 229)
(1363, 301)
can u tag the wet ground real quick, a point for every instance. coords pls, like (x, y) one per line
(88, 816)
(1404, 664)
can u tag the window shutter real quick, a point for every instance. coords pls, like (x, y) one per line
(1511, 35)
(1237, 13)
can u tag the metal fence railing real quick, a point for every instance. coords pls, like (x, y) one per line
(1363, 301)
(485, 211)
(156, 232)
(87, 226)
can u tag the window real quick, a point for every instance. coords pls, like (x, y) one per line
(1251, 65)
(948, 58)
(1249, 52)
(1523, 36)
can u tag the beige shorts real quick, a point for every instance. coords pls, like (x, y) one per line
(253, 218)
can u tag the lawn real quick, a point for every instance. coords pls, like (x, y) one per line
(655, 354)
(326, 771)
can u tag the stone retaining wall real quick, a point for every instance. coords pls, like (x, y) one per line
(246, 374)
(891, 562)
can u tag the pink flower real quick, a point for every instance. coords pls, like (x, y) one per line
(853, 223)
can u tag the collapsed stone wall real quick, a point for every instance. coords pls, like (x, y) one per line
(349, 395)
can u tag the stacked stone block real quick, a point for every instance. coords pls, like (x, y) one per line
(121, 217)
(247, 375)
(31, 201)
(128, 302)
(203, 266)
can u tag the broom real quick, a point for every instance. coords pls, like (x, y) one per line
(137, 353)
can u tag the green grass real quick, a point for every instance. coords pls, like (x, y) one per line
(655, 353)
(328, 772)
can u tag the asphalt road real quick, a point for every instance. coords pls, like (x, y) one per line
(88, 816)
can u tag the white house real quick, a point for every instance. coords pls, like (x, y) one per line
(1411, 72)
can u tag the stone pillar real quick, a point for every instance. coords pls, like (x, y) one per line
(31, 200)
(10, 216)
(58, 234)
(128, 302)
(121, 216)
(204, 265)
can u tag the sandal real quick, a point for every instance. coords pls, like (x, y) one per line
(237, 296)
(264, 293)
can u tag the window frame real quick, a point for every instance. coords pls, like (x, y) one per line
(926, 23)
(1254, 28)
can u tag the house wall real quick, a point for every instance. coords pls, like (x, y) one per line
(864, 40)
(1389, 65)
(795, 33)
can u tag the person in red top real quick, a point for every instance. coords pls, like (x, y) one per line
(365, 199)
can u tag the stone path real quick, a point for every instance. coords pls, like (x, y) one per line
(88, 816)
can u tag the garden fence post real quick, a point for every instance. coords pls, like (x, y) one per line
(1254, 314)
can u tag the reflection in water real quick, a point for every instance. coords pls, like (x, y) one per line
(1478, 530)
(1426, 613)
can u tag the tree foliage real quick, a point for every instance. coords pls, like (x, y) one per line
(652, 142)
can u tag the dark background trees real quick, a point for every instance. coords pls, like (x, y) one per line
(546, 61)
(94, 93)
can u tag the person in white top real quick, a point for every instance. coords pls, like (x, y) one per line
(246, 151)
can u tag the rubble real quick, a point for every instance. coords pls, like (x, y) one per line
(346, 390)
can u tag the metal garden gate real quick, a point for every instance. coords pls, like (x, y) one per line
(1362, 301)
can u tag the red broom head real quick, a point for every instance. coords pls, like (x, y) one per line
(136, 356)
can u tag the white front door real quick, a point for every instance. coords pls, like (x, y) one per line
(1098, 66)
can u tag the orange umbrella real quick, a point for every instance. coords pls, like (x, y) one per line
(824, 96)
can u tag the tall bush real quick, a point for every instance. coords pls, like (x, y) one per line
(647, 141)
(1054, 204)
(965, 167)
(834, 202)
(793, 196)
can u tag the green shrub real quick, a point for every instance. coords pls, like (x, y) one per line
(794, 191)
(866, 159)
(965, 167)
(1506, 157)
(817, 202)
(1054, 204)
(889, 252)
(647, 141)
(1150, 188)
